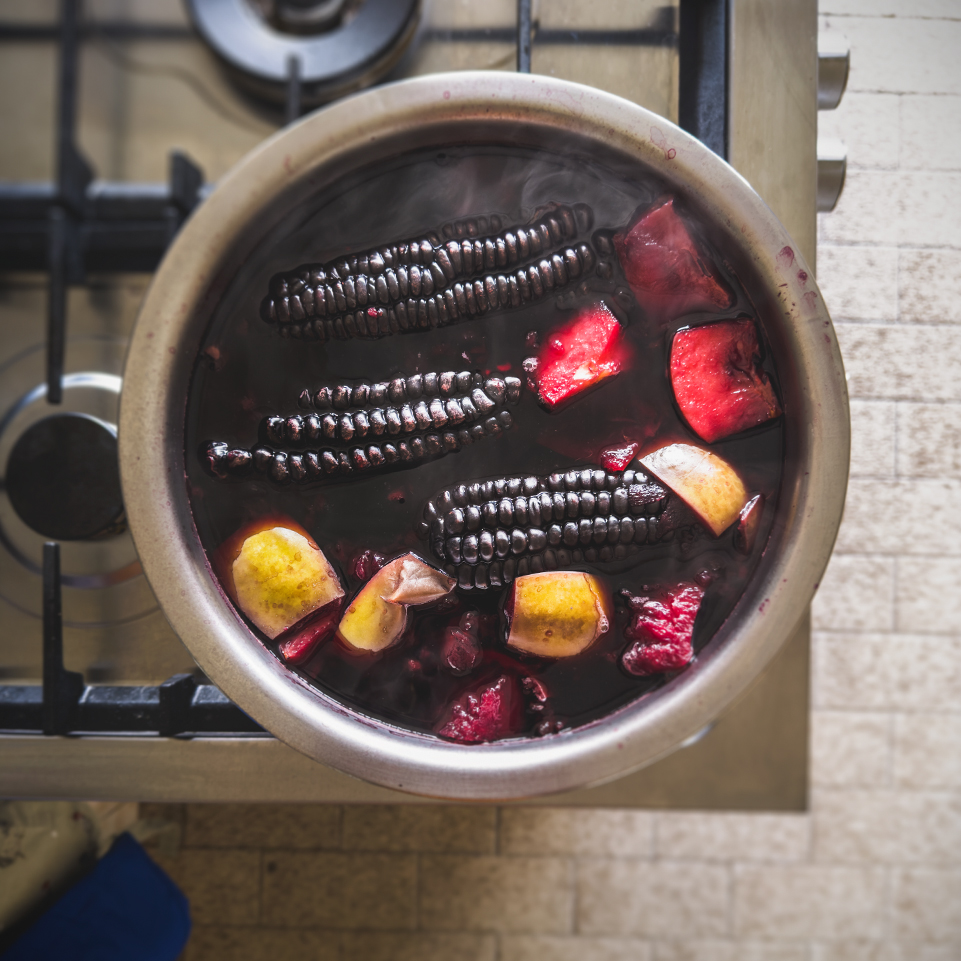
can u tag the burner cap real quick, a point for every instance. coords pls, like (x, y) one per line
(340, 45)
(63, 479)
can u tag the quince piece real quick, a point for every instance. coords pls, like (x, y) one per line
(557, 613)
(377, 616)
(705, 482)
(280, 576)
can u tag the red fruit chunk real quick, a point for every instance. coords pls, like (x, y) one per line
(366, 564)
(617, 458)
(578, 356)
(662, 627)
(485, 714)
(749, 520)
(304, 639)
(461, 651)
(718, 381)
(667, 272)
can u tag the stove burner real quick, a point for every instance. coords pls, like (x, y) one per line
(309, 16)
(325, 48)
(63, 479)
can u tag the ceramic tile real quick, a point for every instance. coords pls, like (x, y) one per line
(597, 833)
(211, 943)
(720, 836)
(858, 218)
(808, 901)
(890, 361)
(885, 826)
(417, 946)
(868, 125)
(903, 55)
(927, 751)
(855, 594)
(339, 890)
(896, 671)
(507, 894)
(873, 445)
(929, 439)
(859, 283)
(881, 517)
(730, 951)
(928, 596)
(930, 136)
(304, 826)
(223, 887)
(652, 899)
(929, 286)
(850, 749)
(533, 948)
(927, 905)
(420, 827)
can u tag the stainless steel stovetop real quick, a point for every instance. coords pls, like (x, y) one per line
(741, 74)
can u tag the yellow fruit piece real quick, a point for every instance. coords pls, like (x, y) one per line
(280, 577)
(370, 622)
(558, 613)
(377, 616)
(705, 482)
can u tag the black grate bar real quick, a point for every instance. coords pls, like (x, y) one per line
(73, 177)
(523, 36)
(94, 29)
(175, 708)
(703, 54)
(61, 689)
(638, 37)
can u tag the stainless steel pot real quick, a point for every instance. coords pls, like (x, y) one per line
(434, 111)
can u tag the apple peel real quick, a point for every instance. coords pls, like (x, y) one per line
(419, 583)
(557, 613)
(708, 484)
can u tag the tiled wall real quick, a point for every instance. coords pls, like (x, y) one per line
(873, 872)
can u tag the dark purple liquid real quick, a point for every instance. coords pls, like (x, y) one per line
(256, 374)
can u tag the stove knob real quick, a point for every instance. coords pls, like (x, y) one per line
(832, 168)
(834, 63)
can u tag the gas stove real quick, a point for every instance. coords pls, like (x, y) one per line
(98, 697)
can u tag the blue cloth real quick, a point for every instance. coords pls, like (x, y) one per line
(126, 909)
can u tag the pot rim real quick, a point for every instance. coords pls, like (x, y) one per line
(163, 349)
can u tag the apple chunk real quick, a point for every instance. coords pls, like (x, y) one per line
(280, 577)
(667, 270)
(579, 356)
(718, 381)
(557, 613)
(705, 482)
(377, 616)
